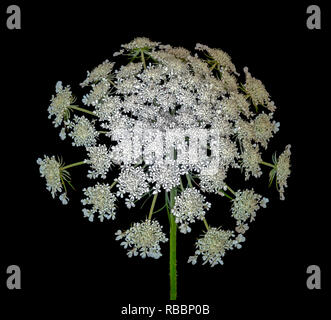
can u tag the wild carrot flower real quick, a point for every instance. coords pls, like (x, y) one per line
(175, 123)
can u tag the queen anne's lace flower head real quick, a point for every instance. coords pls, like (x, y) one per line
(218, 56)
(60, 104)
(189, 206)
(264, 128)
(102, 201)
(166, 176)
(214, 244)
(132, 181)
(251, 159)
(178, 52)
(97, 93)
(235, 105)
(146, 118)
(140, 43)
(257, 91)
(213, 182)
(50, 170)
(143, 238)
(245, 204)
(127, 71)
(83, 132)
(99, 160)
(101, 72)
(283, 170)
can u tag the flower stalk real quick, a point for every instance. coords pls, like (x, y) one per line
(143, 58)
(152, 206)
(224, 193)
(72, 165)
(268, 164)
(81, 109)
(173, 251)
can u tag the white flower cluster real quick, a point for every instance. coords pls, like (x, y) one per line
(97, 94)
(218, 56)
(50, 170)
(60, 103)
(132, 181)
(166, 176)
(101, 72)
(214, 244)
(83, 132)
(143, 238)
(257, 92)
(244, 206)
(283, 170)
(153, 112)
(251, 160)
(102, 201)
(99, 160)
(213, 183)
(189, 206)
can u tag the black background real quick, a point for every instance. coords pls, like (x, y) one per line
(68, 261)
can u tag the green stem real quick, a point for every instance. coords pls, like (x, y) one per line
(143, 58)
(256, 107)
(113, 184)
(214, 65)
(152, 206)
(81, 109)
(226, 194)
(64, 185)
(219, 72)
(172, 258)
(181, 184)
(206, 224)
(268, 164)
(160, 209)
(73, 165)
(231, 190)
(188, 177)
(242, 88)
(167, 204)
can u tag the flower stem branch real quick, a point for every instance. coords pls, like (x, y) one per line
(231, 190)
(73, 165)
(224, 193)
(160, 209)
(268, 164)
(152, 206)
(213, 66)
(181, 184)
(64, 185)
(143, 58)
(206, 224)
(82, 110)
(112, 185)
(188, 177)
